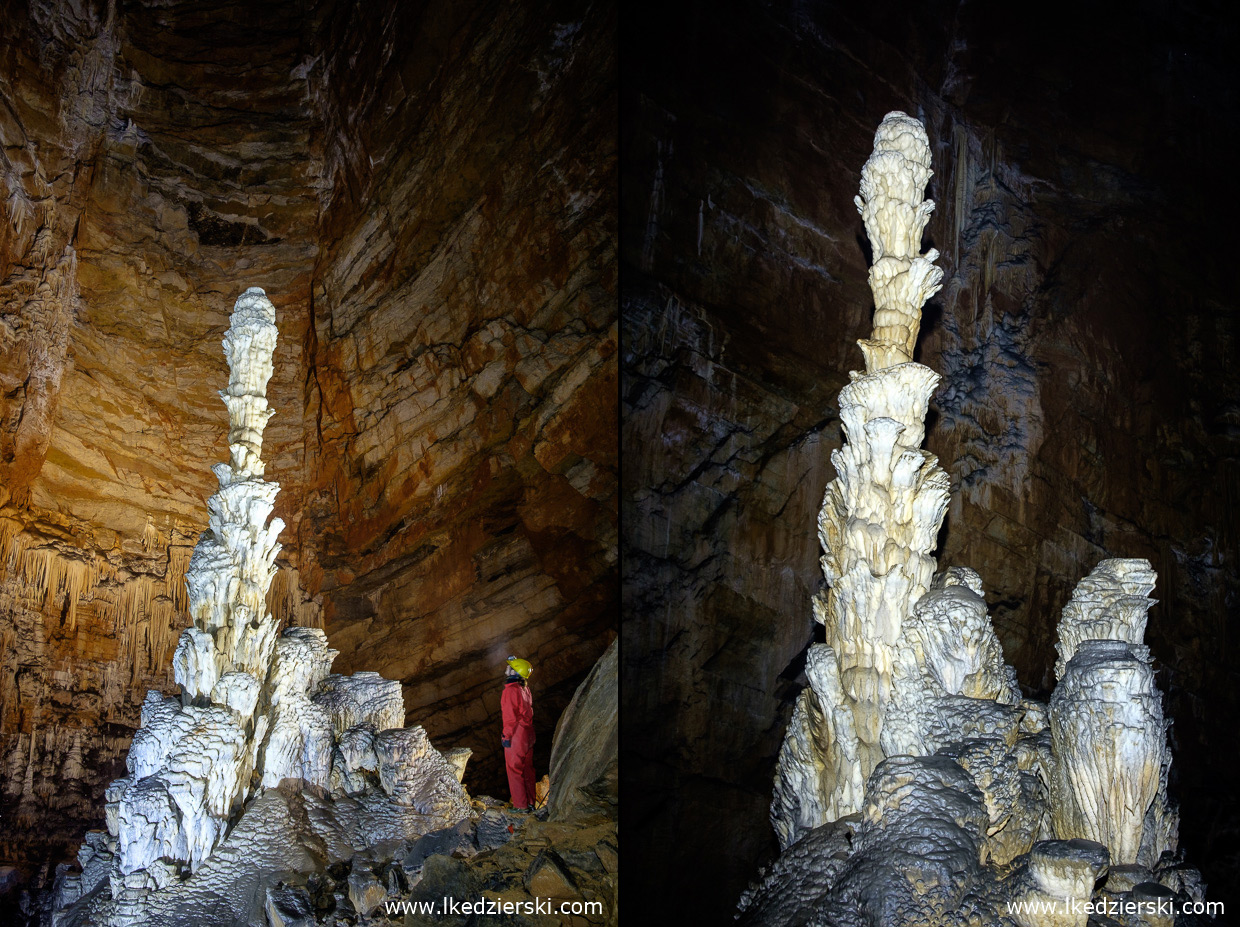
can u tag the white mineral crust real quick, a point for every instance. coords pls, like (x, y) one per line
(880, 516)
(1109, 604)
(363, 698)
(1109, 740)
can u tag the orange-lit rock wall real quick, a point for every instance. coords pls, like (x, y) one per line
(462, 503)
(427, 195)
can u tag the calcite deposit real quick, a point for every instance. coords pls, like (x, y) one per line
(257, 710)
(880, 516)
(915, 784)
(1106, 720)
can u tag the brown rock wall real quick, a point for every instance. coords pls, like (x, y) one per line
(464, 503)
(426, 191)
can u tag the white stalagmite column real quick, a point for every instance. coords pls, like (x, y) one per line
(962, 798)
(191, 761)
(234, 562)
(193, 758)
(880, 516)
(1108, 733)
(256, 710)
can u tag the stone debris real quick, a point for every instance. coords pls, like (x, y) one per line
(365, 891)
(289, 907)
(915, 785)
(548, 877)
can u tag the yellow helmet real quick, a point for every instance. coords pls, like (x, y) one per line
(521, 667)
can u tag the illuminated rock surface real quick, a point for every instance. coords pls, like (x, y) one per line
(961, 801)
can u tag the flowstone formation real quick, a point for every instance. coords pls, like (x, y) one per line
(915, 785)
(265, 759)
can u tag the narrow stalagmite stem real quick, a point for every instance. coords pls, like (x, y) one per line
(895, 213)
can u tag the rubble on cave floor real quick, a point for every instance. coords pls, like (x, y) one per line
(495, 866)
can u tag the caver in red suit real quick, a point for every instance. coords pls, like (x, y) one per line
(518, 706)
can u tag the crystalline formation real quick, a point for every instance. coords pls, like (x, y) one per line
(915, 785)
(256, 709)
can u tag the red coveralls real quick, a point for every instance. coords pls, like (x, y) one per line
(518, 706)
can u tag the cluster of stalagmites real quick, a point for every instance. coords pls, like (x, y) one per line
(256, 708)
(915, 785)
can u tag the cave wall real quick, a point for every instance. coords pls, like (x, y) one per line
(464, 495)
(426, 192)
(144, 179)
(1088, 406)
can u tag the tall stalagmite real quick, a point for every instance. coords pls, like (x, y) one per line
(190, 762)
(915, 783)
(880, 516)
(258, 713)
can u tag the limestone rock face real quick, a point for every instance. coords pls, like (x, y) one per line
(585, 755)
(464, 497)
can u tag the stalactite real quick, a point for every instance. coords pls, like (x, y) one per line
(150, 536)
(174, 579)
(961, 185)
(288, 603)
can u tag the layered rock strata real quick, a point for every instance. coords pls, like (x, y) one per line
(915, 785)
(257, 710)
